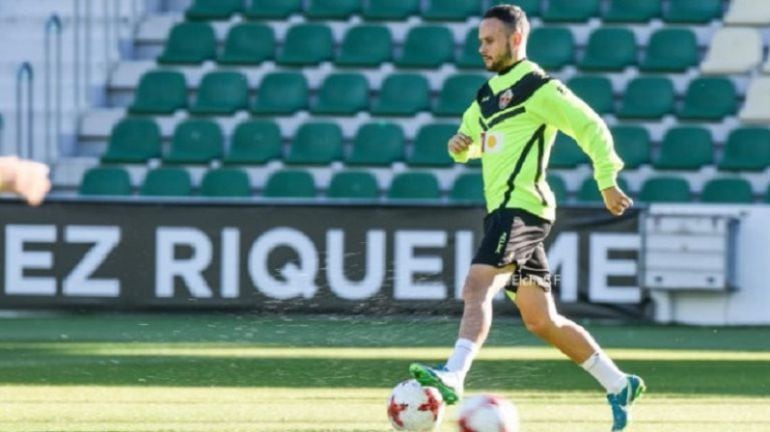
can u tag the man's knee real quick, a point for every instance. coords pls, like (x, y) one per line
(482, 283)
(538, 323)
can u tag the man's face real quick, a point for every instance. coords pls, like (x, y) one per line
(495, 44)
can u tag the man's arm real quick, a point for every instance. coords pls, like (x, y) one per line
(24, 177)
(466, 144)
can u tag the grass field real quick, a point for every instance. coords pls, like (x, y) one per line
(179, 373)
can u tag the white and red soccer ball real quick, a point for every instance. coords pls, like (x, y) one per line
(488, 413)
(412, 407)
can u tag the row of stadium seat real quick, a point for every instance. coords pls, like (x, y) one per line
(677, 11)
(256, 142)
(426, 46)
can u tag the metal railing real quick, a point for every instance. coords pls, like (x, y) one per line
(24, 75)
(53, 29)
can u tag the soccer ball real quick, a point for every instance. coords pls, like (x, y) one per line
(488, 413)
(412, 407)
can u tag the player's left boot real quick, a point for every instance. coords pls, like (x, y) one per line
(621, 402)
(449, 384)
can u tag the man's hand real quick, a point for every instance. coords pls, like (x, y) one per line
(459, 143)
(616, 201)
(26, 178)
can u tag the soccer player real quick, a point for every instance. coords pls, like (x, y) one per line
(511, 126)
(24, 177)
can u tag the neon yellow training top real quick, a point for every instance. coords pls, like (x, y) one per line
(513, 123)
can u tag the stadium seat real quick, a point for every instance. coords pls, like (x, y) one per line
(671, 50)
(189, 43)
(390, 10)
(665, 189)
(589, 191)
(727, 191)
(255, 142)
(596, 91)
(468, 188)
(342, 94)
(551, 47)
(195, 142)
(354, 185)
(457, 94)
(403, 94)
(377, 144)
(366, 46)
(307, 45)
(530, 7)
(282, 93)
(632, 143)
(290, 184)
(609, 49)
(709, 98)
(316, 143)
(414, 185)
(746, 149)
(633, 11)
(755, 108)
(748, 12)
(733, 50)
(430, 146)
(693, 11)
(133, 140)
(105, 181)
(647, 98)
(427, 46)
(451, 10)
(332, 9)
(225, 183)
(208, 10)
(160, 92)
(167, 182)
(685, 148)
(248, 44)
(221, 93)
(272, 9)
(566, 153)
(571, 10)
(469, 57)
(559, 187)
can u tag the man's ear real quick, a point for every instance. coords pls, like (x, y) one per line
(515, 40)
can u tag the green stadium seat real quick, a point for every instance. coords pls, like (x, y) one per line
(596, 91)
(167, 182)
(255, 142)
(671, 50)
(633, 145)
(647, 98)
(104, 181)
(222, 93)
(225, 183)
(727, 191)
(160, 92)
(208, 10)
(457, 94)
(468, 188)
(430, 146)
(403, 94)
(589, 192)
(390, 10)
(571, 10)
(551, 47)
(633, 11)
(559, 187)
(377, 144)
(316, 143)
(414, 185)
(195, 142)
(665, 189)
(610, 49)
(332, 9)
(290, 184)
(282, 93)
(709, 98)
(469, 57)
(189, 43)
(566, 153)
(272, 9)
(451, 10)
(746, 149)
(353, 185)
(686, 148)
(427, 46)
(530, 7)
(693, 11)
(248, 44)
(366, 46)
(342, 94)
(307, 45)
(133, 140)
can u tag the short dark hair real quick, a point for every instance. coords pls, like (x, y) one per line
(513, 16)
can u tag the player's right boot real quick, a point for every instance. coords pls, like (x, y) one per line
(449, 384)
(621, 402)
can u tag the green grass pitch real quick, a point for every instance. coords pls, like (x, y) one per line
(251, 372)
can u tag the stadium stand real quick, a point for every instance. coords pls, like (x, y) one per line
(167, 182)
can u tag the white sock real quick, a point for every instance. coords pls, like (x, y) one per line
(462, 357)
(604, 370)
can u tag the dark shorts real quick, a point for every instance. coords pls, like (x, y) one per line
(514, 236)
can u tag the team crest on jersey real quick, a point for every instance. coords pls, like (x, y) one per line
(493, 142)
(505, 99)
